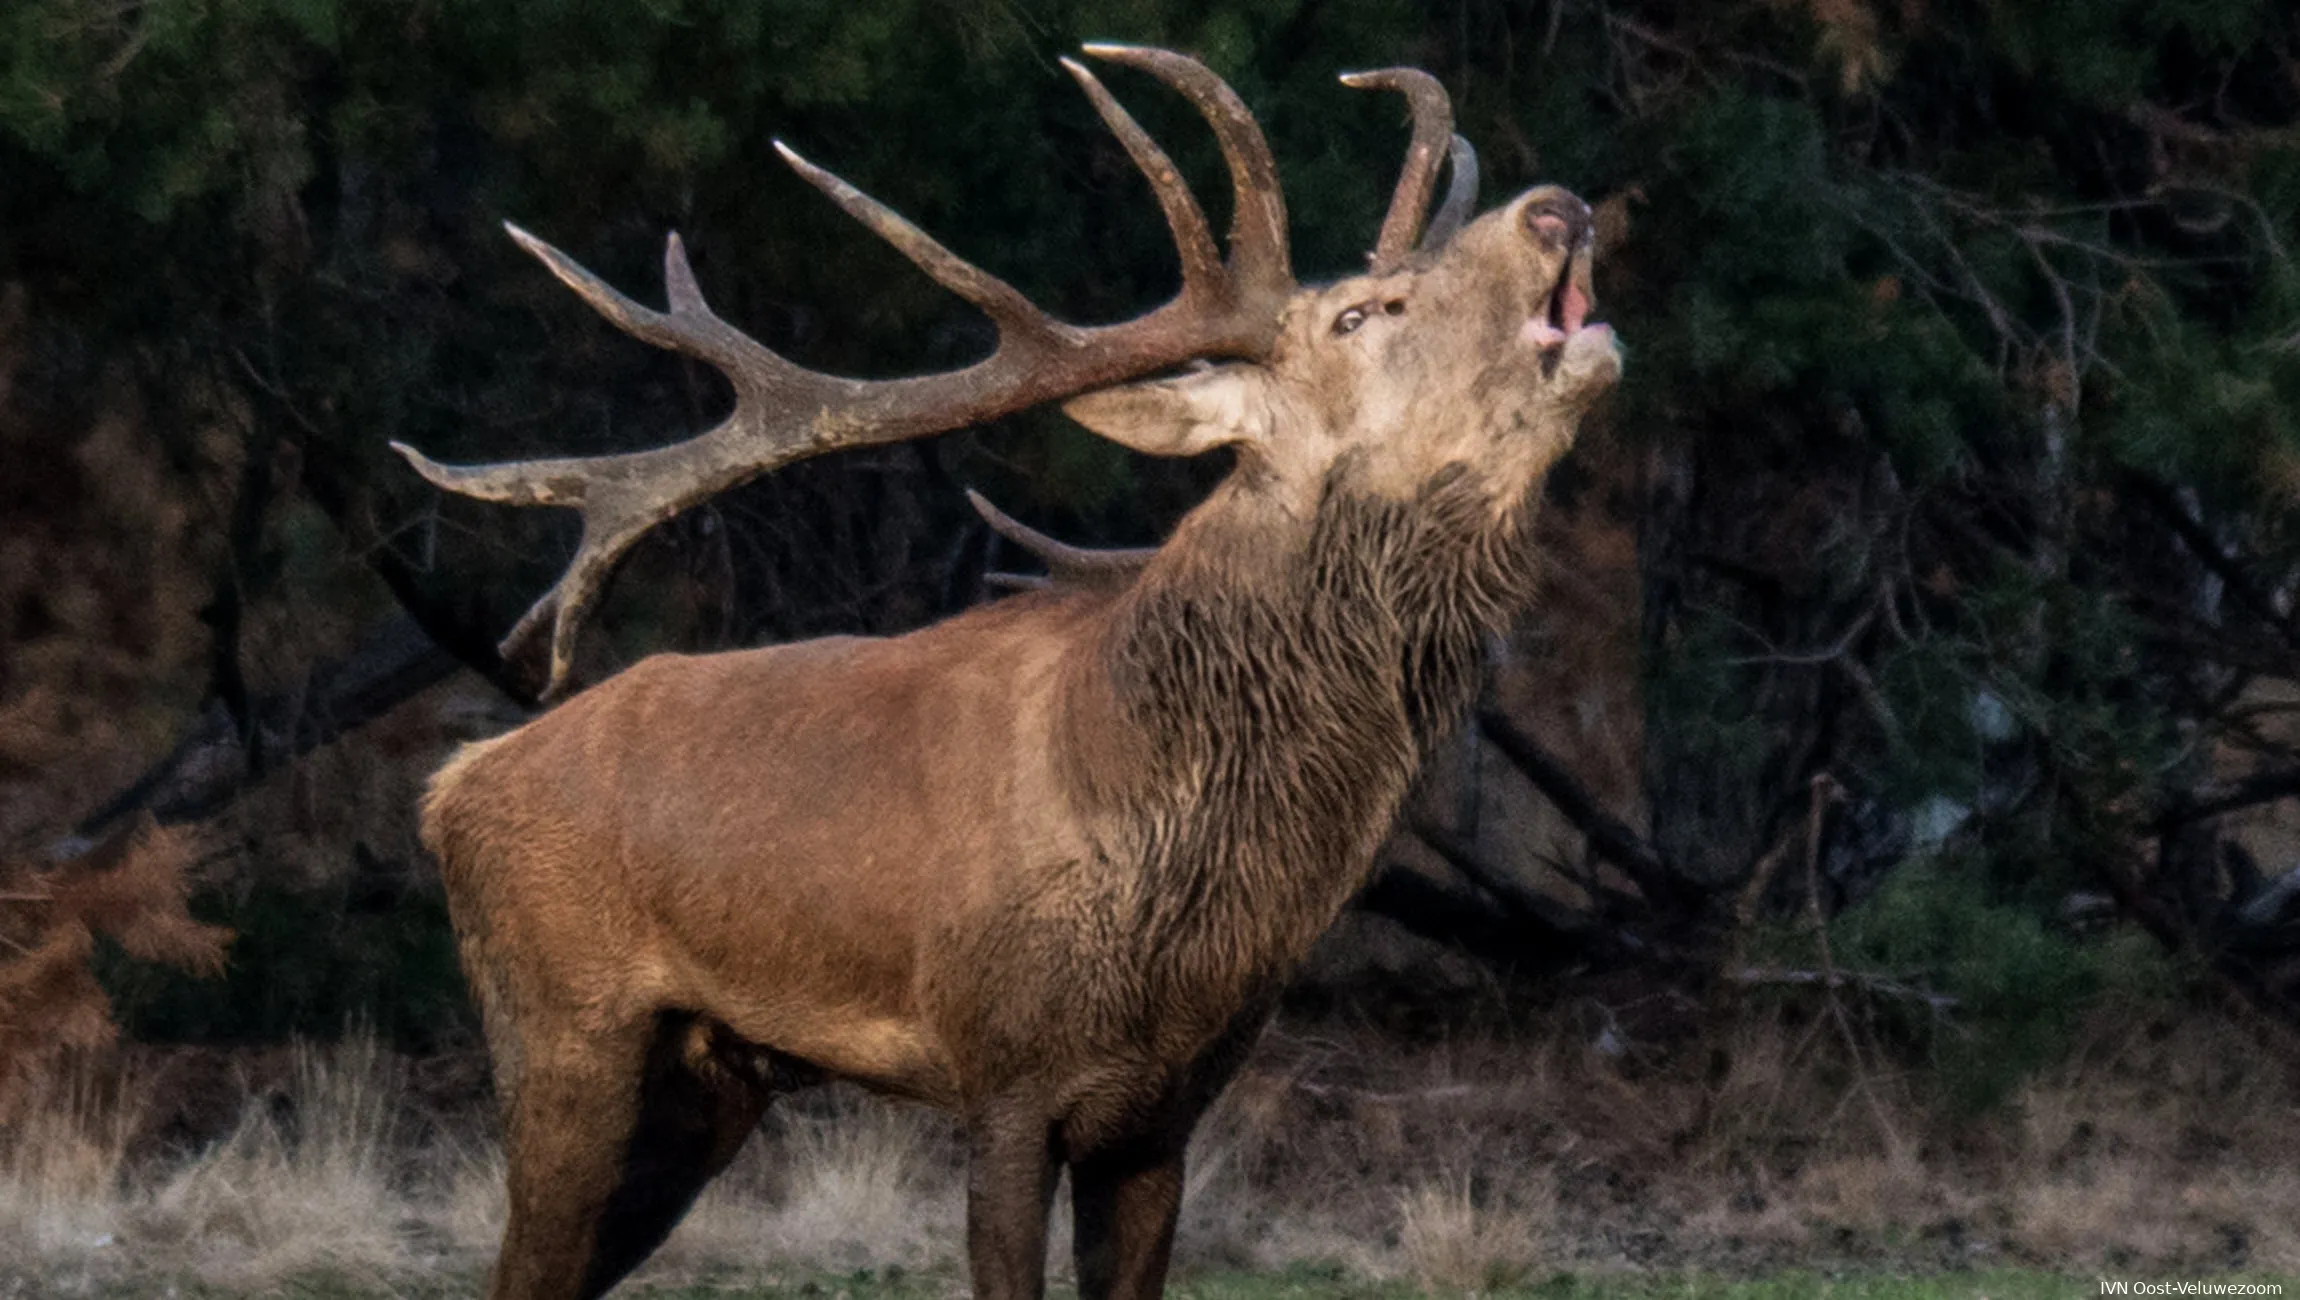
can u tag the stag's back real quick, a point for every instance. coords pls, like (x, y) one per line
(801, 837)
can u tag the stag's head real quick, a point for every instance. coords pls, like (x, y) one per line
(1478, 352)
(1471, 347)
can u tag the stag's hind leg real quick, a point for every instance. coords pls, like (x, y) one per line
(702, 1095)
(571, 1106)
(612, 1135)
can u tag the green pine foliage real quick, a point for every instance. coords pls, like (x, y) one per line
(2018, 987)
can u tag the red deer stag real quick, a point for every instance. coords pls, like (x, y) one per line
(1045, 863)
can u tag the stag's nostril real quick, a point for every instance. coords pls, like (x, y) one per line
(1558, 217)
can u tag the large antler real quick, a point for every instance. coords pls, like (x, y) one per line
(784, 412)
(1433, 131)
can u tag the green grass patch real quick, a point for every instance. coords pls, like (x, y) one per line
(1328, 1284)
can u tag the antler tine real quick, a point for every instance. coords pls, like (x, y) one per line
(1063, 561)
(1002, 302)
(1201, 261)
(618, 507)
(690, 327)
(570, 599)
(1259, 259)
(621, 498)
(784, 412)
(1460, 196)
(1433, 124)
(1018, 581)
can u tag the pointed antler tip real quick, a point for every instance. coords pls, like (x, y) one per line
(1085, 78)
(1141, 56)
(535, 246)
(433, 472)
(1386, 78)
(815, 176)
(799, 164)
(686, 295)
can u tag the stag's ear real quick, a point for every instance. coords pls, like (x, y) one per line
(1182, 416)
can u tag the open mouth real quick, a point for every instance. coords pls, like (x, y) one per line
(1566, 310)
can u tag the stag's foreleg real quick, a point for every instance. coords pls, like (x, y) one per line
(1125, 1204)
(1009, 1188)
(1126, 1177)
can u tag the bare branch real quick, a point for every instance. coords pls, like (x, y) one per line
(1612, 838)
(1876, 985)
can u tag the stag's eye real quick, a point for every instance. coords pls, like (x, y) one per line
(1349, 320)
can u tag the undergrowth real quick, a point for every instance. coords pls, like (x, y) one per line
(1337, 1165)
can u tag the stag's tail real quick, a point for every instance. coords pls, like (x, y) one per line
(453, 826)
(439, 794)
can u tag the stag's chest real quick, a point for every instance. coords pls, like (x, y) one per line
(1125, 1098)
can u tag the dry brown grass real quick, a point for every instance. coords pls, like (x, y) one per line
(306, 1181)
(1465, 1165)
(1454, 1233)
(2153, 1141)
(843, 1182)
(61, 1165)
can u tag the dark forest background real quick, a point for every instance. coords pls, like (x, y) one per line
(1944, 523)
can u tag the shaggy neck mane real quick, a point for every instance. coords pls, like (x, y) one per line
(1269, 712)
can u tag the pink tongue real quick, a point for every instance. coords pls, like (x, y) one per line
(1575, 308)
